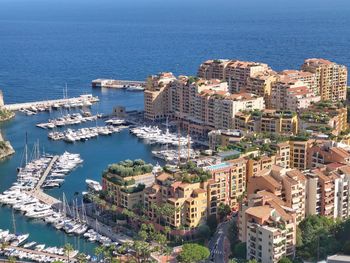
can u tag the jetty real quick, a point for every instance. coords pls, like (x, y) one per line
(43, 253)
(38, 193)
(117, 84)
(83, 100)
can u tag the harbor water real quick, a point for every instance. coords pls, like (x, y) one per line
(97, 153)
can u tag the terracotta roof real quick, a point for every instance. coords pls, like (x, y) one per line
(261, 212)
(163, 176)
(270, 196)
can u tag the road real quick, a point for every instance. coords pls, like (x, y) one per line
(216, 243)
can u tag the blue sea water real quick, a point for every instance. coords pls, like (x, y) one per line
(45, 44)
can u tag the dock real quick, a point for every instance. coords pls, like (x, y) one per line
(42, 253)
(117, 84)
(85, 100)
(38, 193)
(46, 172)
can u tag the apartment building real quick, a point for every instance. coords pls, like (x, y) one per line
(328, 191)
(213, 69)
(126, 192)
(318, 155)
(188, 200)
(326, 117)
(156, 96)
(267, 227)
(238, 73)
(227, 185)
(306, 77)
(286, 184)
(300, 98)
(224, 138)
(272, 121)
(331, 78)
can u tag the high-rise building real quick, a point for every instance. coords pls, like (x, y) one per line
(331, 78)
(267, 227)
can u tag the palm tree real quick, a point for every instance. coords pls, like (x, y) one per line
(81, 258)
(99, 251)
(11, 259)
(68, 248)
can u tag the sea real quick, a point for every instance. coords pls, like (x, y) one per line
(45, 45)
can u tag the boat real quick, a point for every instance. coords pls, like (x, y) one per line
(30, 244)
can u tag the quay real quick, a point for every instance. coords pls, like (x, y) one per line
(38, 193)
(86, 100)
(116, 84)
(46, 172)
(42, 253)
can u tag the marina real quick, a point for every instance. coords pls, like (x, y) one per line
(31, 108)
(154, 135)
(84, 134)
(17, 247)
(69, 119)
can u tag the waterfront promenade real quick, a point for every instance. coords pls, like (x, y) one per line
(116, 84)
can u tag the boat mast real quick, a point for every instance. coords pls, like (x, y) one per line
(26, 149)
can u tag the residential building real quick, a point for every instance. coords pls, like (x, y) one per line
(306, 77)
(267, 227)
(213, 69)
(331, 78)
(328, 191)
(272, 121)
(227, 185)
(325, 153)
(156, 96)
(224, 138)
(126, 191)
(326, 117)
(188, 200)
(286, 184)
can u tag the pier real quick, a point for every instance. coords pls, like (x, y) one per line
(116, 84)
(85, 100)
(46, 173)
(42, 253)
(38, 193)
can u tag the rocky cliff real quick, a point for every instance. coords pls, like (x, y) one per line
(5, 148)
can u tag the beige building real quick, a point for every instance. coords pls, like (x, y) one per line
(328, 191)
(227, 185)
(126, 192)
(331, 78)
(156, 96)
(267, 227)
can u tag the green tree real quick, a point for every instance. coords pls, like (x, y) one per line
(192, 253)
(204, 232)
(223, 210)
(68, 248)
(11, 259)
(240, 250)
(99, 251)
(285, 260)
(81, 258)
(212, 222)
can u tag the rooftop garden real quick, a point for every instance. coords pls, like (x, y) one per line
(328, 104)
(317, 117)
(134, 189)
(128, 168)
(190, 173)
